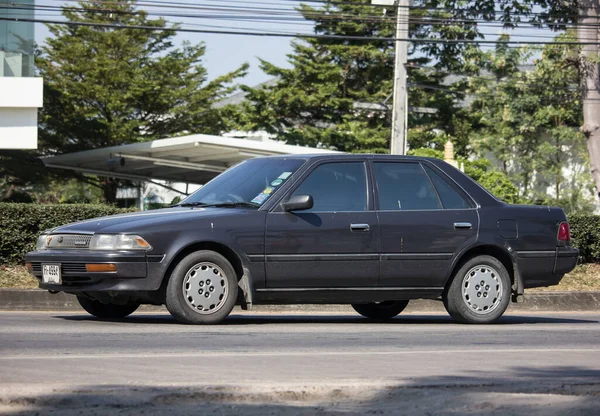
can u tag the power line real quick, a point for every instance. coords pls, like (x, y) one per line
(231, 15)
(183, 5)
(295, 35)
(513, 35)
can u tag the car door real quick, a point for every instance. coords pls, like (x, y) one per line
(334, 244)
(424, 222)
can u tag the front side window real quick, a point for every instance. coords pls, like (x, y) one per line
(404, 186)
(252, 182)
(336, 187)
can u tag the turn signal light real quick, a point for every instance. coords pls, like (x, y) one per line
(29, 267)
(142, 243)
(564, 232)
(100, 268)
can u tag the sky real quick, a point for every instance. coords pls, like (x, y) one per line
(224, 53)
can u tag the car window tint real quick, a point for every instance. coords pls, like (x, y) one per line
(451, 199)
(404, 186)
(336, 187)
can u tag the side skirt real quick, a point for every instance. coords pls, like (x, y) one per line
(334, 295)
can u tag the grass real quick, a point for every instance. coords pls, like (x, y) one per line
(584, 277)
(16, 277)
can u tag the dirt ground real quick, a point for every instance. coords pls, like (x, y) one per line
(350, 399)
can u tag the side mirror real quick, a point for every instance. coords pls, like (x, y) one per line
(298, 203)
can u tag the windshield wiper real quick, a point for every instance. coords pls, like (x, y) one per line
(191, 204)
(217, 204)
(233, 205)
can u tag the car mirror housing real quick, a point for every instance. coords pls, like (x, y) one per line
(298, 203)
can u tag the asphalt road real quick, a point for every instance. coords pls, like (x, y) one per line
(66, 363)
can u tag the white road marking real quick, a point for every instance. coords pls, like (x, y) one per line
(293, 353)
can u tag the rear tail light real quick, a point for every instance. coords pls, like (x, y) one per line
(564, 232)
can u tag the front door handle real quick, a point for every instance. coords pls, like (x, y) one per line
(463, 225)
(359, 227)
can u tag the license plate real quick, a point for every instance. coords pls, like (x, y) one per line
(51, 273)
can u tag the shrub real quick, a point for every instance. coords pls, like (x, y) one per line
(585, 232)
(500, 186)
(21, 224)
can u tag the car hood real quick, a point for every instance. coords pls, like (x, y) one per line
(139, 221)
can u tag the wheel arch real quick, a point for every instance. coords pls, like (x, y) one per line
(502, 254)
(227, 252)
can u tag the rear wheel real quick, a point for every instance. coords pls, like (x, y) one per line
(479, 292)
(381, 310)
(202, 289)
(106, 310)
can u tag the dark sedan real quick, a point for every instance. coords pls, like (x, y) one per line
(374, 231)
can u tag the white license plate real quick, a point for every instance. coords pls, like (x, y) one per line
(51, 273)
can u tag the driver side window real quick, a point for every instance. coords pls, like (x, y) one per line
(336, 187)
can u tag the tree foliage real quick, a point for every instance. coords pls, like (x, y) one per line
(337, 92)
(527, 120)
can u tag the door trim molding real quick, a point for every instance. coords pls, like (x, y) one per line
(416, 256)
(273, 258)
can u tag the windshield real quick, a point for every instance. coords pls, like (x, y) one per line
(251, 182)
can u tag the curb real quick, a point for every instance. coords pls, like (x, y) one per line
(41, 300)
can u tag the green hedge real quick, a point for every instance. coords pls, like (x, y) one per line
(21, 224)
(585, 232)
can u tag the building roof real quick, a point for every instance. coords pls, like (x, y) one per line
(193, 159)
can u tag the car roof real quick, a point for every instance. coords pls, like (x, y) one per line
(329, 156)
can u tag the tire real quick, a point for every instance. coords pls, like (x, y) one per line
(106, 310)
(202, 289)
(381, 310)
(470, 302)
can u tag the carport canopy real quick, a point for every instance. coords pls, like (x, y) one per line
(193, 159)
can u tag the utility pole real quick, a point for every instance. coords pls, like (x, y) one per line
(400, 100)
(587, 31)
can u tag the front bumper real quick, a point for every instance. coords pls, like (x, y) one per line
(135, 270)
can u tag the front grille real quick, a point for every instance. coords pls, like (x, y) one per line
(68, 241)
(73, 268)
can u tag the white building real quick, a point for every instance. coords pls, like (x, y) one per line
(20, 92)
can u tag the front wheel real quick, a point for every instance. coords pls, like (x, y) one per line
(381, 310)
(479, 292)
(106, 310)
(202, 289)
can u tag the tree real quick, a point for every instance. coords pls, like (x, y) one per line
(333, 93)
(107, 86)
(528, 120)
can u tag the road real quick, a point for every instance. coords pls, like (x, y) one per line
(261, 363)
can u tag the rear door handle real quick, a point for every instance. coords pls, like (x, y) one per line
(463, 225)
(359, 227)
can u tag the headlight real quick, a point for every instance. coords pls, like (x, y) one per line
(118, 242)
(41, 242)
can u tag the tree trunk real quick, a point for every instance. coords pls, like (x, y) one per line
(588, 32)
(109, 189)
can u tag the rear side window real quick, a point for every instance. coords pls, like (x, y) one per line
(451, 199)
(404, 186)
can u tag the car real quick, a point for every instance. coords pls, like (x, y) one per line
(373, 231)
